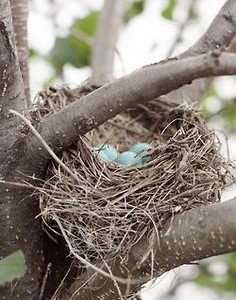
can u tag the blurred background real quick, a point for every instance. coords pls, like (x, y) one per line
(61, 36)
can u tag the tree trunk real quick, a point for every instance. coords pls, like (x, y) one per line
(19, 228)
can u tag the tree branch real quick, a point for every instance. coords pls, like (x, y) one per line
(219, 35)
(11, 87)
(135, 88)
(140, 86)
(104, 48)
(190, 236)
(19, 10)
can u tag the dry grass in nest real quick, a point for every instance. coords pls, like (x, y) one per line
(106, 208)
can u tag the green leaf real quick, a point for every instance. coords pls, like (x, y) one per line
(136, 7)
(12, 267)
(168, 11)
(72, 50)
(87, 25)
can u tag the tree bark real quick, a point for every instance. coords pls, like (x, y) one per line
(219, 35)
(19, 229)
(19, 17)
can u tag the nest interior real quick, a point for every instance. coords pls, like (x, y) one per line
(106, 208)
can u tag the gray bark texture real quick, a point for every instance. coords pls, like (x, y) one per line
(219, 35)
(19, 229)
(19, 18)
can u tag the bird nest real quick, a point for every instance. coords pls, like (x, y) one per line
(105, 208)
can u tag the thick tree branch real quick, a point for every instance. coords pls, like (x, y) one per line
(19, 10)
(219, 35)
(105, 42)
(137, 88)
(190, 236)
(140, 86)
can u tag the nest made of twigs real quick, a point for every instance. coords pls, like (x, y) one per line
(105, 208)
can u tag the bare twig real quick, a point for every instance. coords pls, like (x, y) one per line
(44, 144)
(80, 35)
(45, 281)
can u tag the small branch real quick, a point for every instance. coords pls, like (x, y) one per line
(140, 86)
(105, 42)
(190, 236)
(80, 35)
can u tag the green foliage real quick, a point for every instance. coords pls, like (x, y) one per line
(33, 53)
(135, 8)
(227, 111)
(72, 50)
(222, 283)
(12, 267)
(168, 10)
(229, 114)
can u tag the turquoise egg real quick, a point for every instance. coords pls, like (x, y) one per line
(127, 158)
(142, 150)
(140, 147)
(102, 155)
(107, 149)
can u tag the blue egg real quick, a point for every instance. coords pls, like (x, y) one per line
(109, 150)
(102, 155)
(127, 158)
(142, 150)
(140, 147)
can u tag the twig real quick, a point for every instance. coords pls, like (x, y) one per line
(45, 145)
(61, 283)
(45, 281)
(78, 34)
